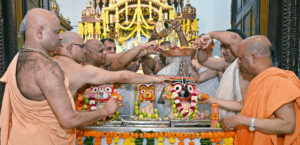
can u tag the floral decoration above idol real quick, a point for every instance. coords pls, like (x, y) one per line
(144, 105)
(184, 98)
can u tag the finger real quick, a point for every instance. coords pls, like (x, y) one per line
(150, 46)
(195, 46)
(221, 123)
(202, 40)
(173, 26)
(116, 99)
(167, 78)
(207, 45)
(222, 120)
(172, 22)
(108, 118)
(225, 127)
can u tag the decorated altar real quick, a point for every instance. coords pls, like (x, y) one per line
(153, 113)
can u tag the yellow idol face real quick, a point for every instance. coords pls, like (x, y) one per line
(147, 93)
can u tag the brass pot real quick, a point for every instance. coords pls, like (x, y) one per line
(162, 28)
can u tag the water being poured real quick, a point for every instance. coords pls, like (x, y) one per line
(177, 66)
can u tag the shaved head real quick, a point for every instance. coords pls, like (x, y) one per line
(72, 46)
(96, 52)
(40, 17)
(70, 37)
(259, 45)
(42, 29)
(254, 55)
(94, 44)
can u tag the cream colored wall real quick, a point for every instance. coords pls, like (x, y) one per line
(213, 14)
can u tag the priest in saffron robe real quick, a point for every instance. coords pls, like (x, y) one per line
(270, 110)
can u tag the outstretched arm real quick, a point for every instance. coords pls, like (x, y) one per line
(217, 64)
(226, 37)
(205, 75)
(96, 75)
(50, 79)
(283, 123)
(110, 58)
(226, 104)
(121, 62)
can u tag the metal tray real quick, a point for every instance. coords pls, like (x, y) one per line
(146, 123)
(109, 123)
(190, 123)
(155, 129)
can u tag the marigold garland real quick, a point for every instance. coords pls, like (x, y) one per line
(137, 137)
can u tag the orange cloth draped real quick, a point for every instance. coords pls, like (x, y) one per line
(266, 93)
(27, 122)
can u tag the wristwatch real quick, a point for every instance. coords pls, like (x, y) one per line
(252, 124)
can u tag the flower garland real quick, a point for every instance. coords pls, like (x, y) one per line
(160, 138)
(191, 136)
(85, 28)
(180, 137)
(171, 137)
(178, 110)
(80, 29)
(88, 102)
(149, 138)
(137, 137)
(116, 140)
(79, 135)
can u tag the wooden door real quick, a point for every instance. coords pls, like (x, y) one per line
(250, 16)
(278, 20)
(2, 66)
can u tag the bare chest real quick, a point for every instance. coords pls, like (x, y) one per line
(244, 83)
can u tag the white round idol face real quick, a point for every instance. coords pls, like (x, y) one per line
(101, 92)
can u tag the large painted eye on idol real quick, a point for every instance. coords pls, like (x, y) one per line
(143, 91)
(151, 91)
(177, 87)
(190, 88)
(95, 89)
(108, 89)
